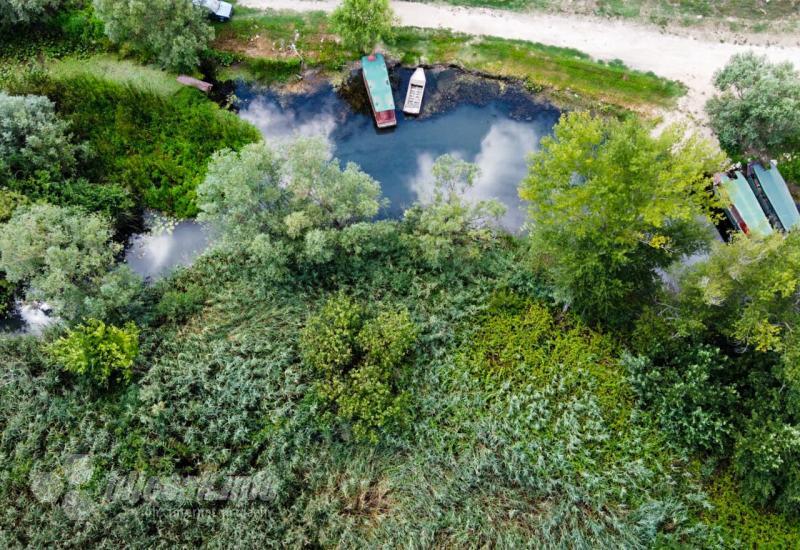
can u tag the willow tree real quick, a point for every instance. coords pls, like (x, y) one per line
(363, 23)
(610, 204)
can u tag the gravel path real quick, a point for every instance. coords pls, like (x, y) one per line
(687, 59)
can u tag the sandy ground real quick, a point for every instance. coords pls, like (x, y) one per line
(689, 59)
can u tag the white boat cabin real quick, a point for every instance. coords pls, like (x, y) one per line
(416, 91)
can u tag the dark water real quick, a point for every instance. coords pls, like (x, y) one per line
(492, 124)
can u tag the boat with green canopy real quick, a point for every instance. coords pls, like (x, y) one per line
(376, 78)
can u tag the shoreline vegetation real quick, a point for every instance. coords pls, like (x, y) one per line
(278, 44)
(429, 379)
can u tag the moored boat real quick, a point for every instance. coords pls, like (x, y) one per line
(416, 91)
(376, 78)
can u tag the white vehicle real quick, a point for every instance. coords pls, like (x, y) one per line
(220, 10)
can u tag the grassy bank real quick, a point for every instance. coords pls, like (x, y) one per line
(257, 39)
(144, 132)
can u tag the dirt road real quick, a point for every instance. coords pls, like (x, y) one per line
(687, 59)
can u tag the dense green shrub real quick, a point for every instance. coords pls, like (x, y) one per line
(177, 306)
(108, 199)
(767, 460)
(155, 146)
(63, 255)
(98, 351)
(24, 12)
(360, 363)
(689, 397)
(32, 138)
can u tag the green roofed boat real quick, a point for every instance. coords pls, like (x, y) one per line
(743, 209)
(376, 78)
(777, 194)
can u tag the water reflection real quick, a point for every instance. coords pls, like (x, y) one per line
(498, 134)
(165, 246)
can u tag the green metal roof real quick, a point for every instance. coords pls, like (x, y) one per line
(778, 194)
(377, 78)
(742, 197)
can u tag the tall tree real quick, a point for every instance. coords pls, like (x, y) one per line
(61, 254)
(363, 23)
(609, 204)
(172, 32)
(757, 110)
(284, 191)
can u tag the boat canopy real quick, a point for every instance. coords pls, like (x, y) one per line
(744, 201)
(778, 194)
(377, 78)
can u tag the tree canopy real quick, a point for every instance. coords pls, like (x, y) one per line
(610, 203)
(61, 254)
(171, 32)
(33, 138)
(21, 12)
(757, 110)
(363, 23)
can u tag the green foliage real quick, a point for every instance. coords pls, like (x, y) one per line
(749, 290)
(24, 12)
(610, 203)
(110, 200)
(363, 23)
(741, 524)
(61, 254)
(449, 222)
(98, 351)
(10, 201)
(767, 458)
(243, 193)
(360, 363)
(757, 111)
(157, 147)
(32, 138)
(171, 32)
(688, 395)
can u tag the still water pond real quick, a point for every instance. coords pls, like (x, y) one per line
(495, 125)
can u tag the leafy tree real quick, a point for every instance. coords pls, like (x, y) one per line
(757, 111)
(327, 195)
(98, 351)
(241, 195)
(287, 193)
(450, 222)
(172, 32)
(21, 12)
(363, 23)
(61, 254)
(609, 204)
(749, 290)
(32, 138)
(360, 363)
